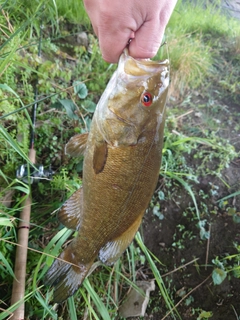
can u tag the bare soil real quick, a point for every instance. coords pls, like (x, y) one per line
(223, 301)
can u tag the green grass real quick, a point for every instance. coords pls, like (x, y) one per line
(73, 11)
(194, 37)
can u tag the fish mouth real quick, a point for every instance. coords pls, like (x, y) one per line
(127, 76)
(140, 67)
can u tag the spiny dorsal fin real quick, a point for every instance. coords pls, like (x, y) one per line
(112, 250)
(70, 213)
(76, 145)
(100, 156)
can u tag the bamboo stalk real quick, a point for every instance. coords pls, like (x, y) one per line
(18, 289)
(19, 281)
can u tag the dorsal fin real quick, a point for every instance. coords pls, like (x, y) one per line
(112, 250)
(70, 213)
(76, 145)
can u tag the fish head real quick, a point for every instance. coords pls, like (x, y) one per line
(134, 98)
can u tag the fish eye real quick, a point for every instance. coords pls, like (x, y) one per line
(146, 99)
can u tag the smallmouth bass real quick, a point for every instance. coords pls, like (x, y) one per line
(122, 158)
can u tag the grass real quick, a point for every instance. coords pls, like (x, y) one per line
(192, 34)
(194, 37)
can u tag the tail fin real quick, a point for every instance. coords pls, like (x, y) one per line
(65, 275)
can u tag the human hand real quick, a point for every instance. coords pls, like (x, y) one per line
(117, 21)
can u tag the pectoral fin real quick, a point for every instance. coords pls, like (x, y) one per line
(112, 250)
(100, 156)
(71, 212)
(77, 145)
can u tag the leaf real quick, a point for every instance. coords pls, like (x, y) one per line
(218, 276)
(6, 265)
(5, 222)
(25, 190)
(69, 107)
(204, 234)
(205, 315)
(89, 106)
(80, 89)
(161, 195)
(156, 212)
(236, 217)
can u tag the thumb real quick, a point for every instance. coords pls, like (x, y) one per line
(147, 40)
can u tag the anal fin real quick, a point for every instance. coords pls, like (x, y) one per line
(112, 250)
(70, 213)
(76, 145)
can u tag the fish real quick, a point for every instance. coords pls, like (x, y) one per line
(122, 158)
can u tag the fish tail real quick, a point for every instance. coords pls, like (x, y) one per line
(65, 275)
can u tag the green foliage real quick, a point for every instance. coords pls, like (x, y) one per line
(73, 11)
(194, 32)
(202, 18)
(218, 275)
(205, 315)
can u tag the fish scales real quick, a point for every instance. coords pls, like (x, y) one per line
(135, 181)
(122, 157)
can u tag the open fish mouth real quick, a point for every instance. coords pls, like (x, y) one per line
(140, 67)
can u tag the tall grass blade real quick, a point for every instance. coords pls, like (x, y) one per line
(27, 106)
(237, 193)
(8, 312)
(174, 175)
(88, 304)
(72, 308)
(156, 274)
(97, 301)
(13, 144)
(6, 265)
(47, 309)
(6, 222)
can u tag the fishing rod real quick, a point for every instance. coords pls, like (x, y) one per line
(27, 174)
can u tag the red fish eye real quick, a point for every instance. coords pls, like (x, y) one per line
(146, 99)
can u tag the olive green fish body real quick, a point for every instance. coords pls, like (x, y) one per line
(122, 159)
(123, 189)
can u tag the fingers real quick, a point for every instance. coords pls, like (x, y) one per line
(116, 21)
(148, 37)
(113, 44)
(147, 40)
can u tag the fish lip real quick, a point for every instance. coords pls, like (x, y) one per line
(146, 65)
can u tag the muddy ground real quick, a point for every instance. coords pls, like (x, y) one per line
(192, 286)
(222, 301)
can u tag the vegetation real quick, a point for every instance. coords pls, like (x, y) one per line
(44, 57)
